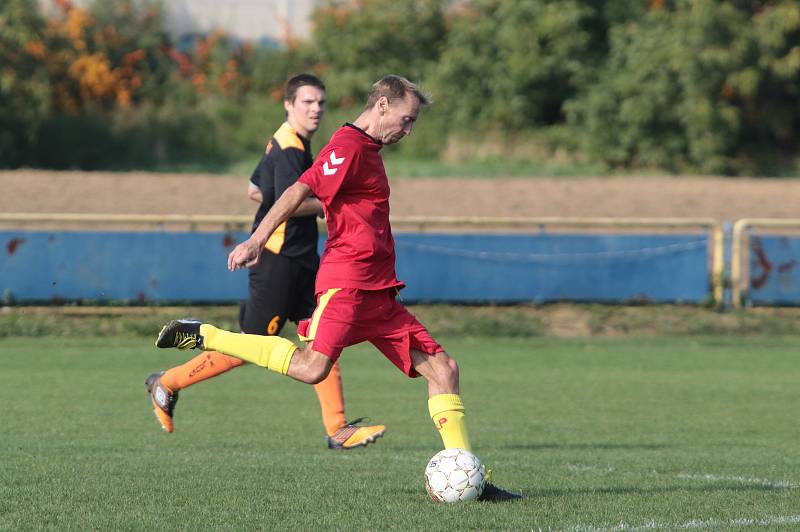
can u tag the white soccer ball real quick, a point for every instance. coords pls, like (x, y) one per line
(454, 475)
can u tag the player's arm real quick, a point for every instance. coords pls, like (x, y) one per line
(310, 205)
(254, 185)
(254, 193)
(289, 166)
(248, 252)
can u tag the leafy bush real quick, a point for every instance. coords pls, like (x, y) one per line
(24, 87)
(694, 88)
(671, 85)
(357, 43)
(513, 64)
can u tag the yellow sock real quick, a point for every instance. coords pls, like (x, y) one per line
(447, 413)
(271, 352)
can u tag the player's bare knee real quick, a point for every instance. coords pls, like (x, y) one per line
(451, 369)
(309, 366)
(310, 374)
(446, 368)
(316, 375)
(453, 366)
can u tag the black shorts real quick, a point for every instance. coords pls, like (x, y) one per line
(279, 289)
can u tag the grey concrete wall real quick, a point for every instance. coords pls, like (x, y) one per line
(255, 20)
(246, 19)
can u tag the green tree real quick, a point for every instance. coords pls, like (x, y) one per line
(130, 33)
(768, 88)
(513, 64)
(355, 42)
(24, 86)
(694, 86)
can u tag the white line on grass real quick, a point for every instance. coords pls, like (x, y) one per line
(783, 484)
(741, 522)
(585, 468)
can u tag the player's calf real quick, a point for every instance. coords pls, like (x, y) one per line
(309, 366)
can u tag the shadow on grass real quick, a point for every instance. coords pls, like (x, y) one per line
(600, 445)
(628, 490)
(631, 490)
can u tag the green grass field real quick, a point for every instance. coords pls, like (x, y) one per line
(599, 434)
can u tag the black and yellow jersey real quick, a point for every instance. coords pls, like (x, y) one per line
(286, 157)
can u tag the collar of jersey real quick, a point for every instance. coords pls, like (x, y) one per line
(370, 137)
(288, 126)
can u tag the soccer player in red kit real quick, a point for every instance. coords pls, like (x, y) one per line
(356, 285)
(281, 285)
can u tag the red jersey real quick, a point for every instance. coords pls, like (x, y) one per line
(350, 181)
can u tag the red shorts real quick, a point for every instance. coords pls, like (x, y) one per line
(349, 316)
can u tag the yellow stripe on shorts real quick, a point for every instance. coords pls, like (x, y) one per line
(323, 302)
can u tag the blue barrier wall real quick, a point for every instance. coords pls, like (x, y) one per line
(176, 267)
(119, 266)
(774, 273)
(542, 268)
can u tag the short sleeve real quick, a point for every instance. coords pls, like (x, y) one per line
(288, 167)
(255, 177)
(334, 165)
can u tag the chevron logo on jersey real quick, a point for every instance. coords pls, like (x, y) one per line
(335, 161)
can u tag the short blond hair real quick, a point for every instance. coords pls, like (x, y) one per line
(395, 88)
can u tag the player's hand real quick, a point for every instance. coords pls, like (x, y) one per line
(244, 255)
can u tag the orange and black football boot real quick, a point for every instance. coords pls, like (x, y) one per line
(163, 400)
(352, 435)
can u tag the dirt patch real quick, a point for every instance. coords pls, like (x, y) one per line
(30, 191)
(567, 320)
